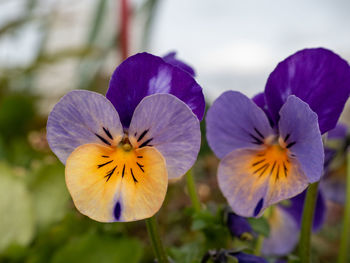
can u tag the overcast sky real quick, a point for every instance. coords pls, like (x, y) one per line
(231, 44)
(236, 44)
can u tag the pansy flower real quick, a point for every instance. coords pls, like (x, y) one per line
(271, 149)
(223, 256)
(120, 150)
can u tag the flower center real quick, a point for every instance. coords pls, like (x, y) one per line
(273, 160)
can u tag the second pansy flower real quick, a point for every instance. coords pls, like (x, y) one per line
(120, 151)
(271, 148)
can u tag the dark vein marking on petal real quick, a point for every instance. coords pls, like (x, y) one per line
(105, 156)
(110, 173)
(291, 144)
(100, 165)
(135, 134)
(142, 135)
(108, 133)
(140, 165)
(256, 163)
(139, 156)
(123, 170)
(273, 167)
(262, 167)
(258, 207)
(257, 140)
(133, 177)
(287, 137)
(278, 172)
(263, 171)
(145, 143)
(103, 139)
(261, 154)
(285, 169)
(117, 211)
(259, 133)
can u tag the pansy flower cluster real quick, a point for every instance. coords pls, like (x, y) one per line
(120, 150)
(271, 147)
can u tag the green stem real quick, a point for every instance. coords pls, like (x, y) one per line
(260, 240)
(258, 245)
(158, 249)
(344, 242)
(191, 187)
(306, 225)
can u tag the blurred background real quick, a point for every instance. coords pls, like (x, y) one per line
(49, 47)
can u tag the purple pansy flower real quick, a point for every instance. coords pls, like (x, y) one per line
(238, 225)
(273, 153)
(120, 151)
(222, 256)
(171, 59)
(285, 224)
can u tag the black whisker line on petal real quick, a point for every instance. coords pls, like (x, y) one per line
(287, 137)
(259, 133)
(105, 156)
(291, 144)
(100, 165)
(108, 133)
(139, 156)
(263, 171)
(145, 143)
(123, 170)
(273, 167)
(140, 165)
(142, 135)
(110, 173)
(133, 177)
(285, 169)
(257, 140)
(262, 167)
(103, 139)
(256, 163)
(278, 172)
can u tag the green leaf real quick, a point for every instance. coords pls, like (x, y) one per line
(188, 253)
(17, 219)
(92, 248)
(50, 194)
(260, 226)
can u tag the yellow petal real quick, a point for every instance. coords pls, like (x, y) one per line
(111, 184)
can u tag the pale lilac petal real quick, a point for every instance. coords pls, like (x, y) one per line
(284, 234)
(234, 121)
(334, 187)
(298, 127)
(82, 117)
(317, 76)
(250, 193)
(168, 124)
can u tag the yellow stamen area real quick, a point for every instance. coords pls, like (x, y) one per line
(116, 183)
(272, 161)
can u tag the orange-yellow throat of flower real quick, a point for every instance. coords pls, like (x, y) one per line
(116, 183)
(273, 161)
